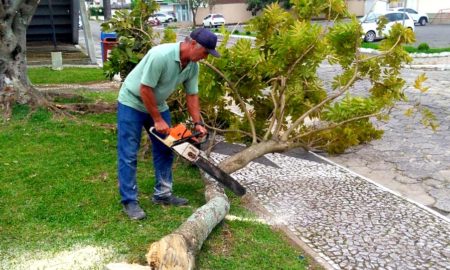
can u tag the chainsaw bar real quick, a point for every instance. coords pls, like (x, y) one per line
(219, 175)
(193, 154)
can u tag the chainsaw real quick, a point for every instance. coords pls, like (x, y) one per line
(186, 144)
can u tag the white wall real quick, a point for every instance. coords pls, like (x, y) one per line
(375, 6)
(432, 6)
(233, 13)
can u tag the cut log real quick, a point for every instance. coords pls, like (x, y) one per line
(178, 249)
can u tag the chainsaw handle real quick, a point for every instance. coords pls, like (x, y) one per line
(170, 141)
(197, 134)
(152, 131)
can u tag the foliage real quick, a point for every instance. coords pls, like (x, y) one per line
(136, 37)
(70, 197)
(255, 6)
(169, 36)
(423, 47)
(428, 118)
(95, 11)
(276, 93)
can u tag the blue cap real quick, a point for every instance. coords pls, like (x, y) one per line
(207, 39)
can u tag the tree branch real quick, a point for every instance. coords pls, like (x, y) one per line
(329, 98)
(273, 117)
(380, 55)
(333, 125)
(238, 97)
(231, 130)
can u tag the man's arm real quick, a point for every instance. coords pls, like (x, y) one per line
(193, 107)
(150, 103)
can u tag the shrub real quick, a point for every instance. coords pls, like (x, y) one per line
(423, 47)
(236, 32)
(136, 37)
(96, 11)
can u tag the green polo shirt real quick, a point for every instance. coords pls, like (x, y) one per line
(161, 70)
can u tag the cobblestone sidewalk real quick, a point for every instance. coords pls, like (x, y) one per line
(346, 220)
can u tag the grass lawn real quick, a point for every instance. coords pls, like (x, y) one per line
(409, 49)
(59, 203)
(45, 75)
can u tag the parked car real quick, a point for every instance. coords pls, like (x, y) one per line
(369, 24)
(419, 18)
(173, 15)
(213, 20)
(164, 17)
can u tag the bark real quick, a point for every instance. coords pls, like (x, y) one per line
(241, 159)
(14, 84)
(178, 249)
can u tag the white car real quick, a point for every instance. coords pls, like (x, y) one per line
(164, 18)
(213, 20)
(419, 18)
(369, 24)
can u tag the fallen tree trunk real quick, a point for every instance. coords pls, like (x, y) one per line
(177, 250)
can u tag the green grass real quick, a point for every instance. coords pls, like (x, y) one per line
(409, 49)
(59, 191)
(45, 75)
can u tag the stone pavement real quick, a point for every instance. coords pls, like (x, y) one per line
(410, 159)
(344, 220)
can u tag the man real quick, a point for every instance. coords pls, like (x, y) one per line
(142, 103)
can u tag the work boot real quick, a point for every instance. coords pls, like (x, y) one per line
(133, 210)
(170, 200)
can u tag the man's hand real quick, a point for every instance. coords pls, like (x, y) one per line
(162, 127)
(201, 129)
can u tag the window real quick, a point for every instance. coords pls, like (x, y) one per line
(391, 17)
(371, 17)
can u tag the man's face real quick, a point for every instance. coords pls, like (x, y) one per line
(198, 52)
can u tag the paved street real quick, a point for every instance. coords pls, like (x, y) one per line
(437, 36)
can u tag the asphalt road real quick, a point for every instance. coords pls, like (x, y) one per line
(437, 36)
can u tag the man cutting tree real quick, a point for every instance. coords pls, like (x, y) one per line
(142, 103)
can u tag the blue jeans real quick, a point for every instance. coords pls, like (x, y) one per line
(129, 124)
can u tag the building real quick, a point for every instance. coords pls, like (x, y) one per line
(436, 9)
(234, 11)
(55, 19)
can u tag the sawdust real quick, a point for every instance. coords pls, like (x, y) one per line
(79, 257)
